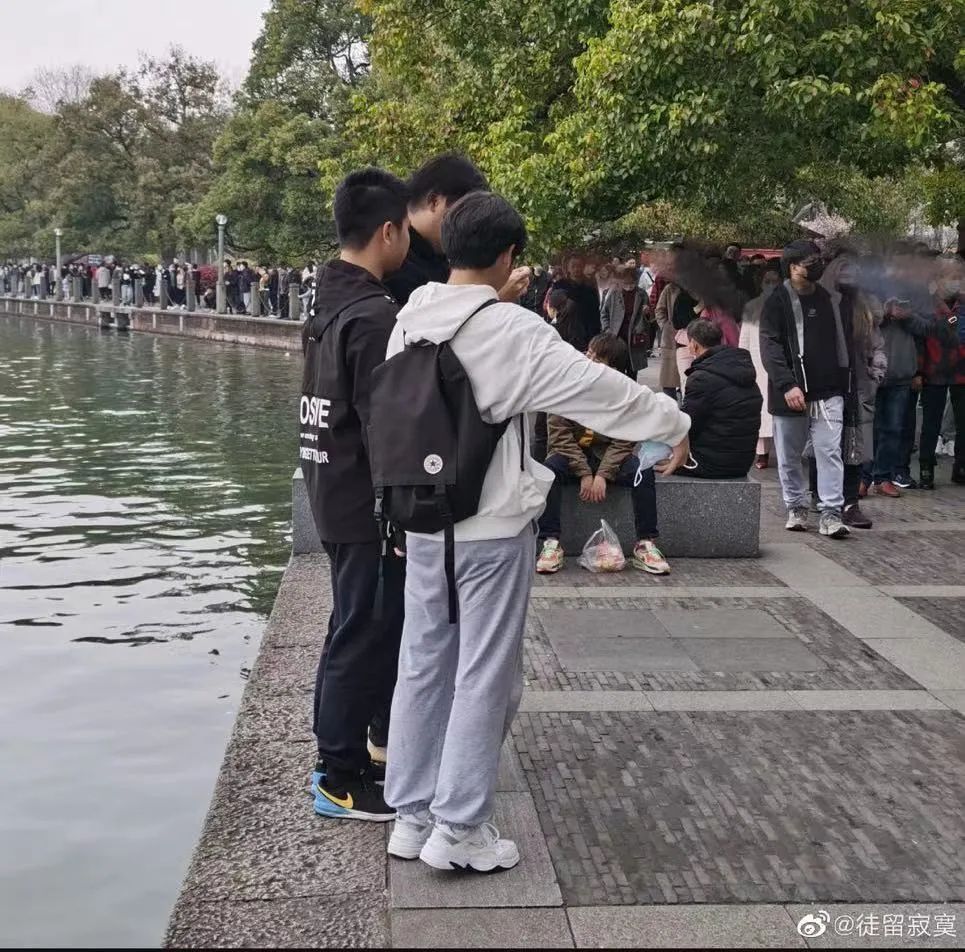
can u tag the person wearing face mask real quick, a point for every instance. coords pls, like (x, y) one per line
(804, 345)
(943, 374)
(750, 340)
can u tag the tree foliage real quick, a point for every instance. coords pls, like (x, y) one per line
(306, 63)
(581, 111)
(113, 164)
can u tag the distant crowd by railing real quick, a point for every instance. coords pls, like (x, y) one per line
(284, 292)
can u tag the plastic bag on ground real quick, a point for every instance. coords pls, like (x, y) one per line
(603, 552)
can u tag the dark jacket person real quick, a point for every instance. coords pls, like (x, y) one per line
(724, 404)
(345, 339)
(433, 189)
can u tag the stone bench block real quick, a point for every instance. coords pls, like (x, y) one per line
(304, 534)
(697, 518)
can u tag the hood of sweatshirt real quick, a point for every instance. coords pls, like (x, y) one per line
(435, 312)
(731, 363)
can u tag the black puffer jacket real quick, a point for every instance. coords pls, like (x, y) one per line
(724, 405)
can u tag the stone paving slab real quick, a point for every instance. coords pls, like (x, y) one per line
(720, 623)
(954, 699)
(275, 717)
(923, 591)
(622, 654)
(550, 593)
(752, 654)
(481, 929)
(736, 807)
(580, 625)
(903, 919)
(535, 701)
(675, 927)
(802, 567)
(414, 885)
(932, 663)
(866, 700)
(948, 614)
(867, 616)
(723, 700)
(357, 920)
(849, 663)
(261, 839)
(286, 670)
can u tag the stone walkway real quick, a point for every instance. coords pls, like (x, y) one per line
(700, 761)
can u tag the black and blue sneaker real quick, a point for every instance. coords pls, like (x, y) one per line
(359, 798)
(318, 775)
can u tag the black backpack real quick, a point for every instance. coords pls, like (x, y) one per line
(429, 447)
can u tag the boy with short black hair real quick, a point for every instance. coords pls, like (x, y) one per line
(460, 684)
(345, 338)
(577, 453)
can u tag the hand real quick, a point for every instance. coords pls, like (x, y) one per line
(598, 489)
(516, 286)
(679, 456)
(586, 488)
(897, 309)
(794, 398)
(916, 383)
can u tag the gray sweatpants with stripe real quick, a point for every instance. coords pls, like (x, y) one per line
(459, 685)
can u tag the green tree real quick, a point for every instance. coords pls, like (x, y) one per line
(136, 147)
(308, 60)
(23, 173)
(580, 112)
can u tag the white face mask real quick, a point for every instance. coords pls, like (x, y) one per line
(767, 290)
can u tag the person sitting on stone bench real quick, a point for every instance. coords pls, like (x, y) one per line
(576, 453)
(724, 405)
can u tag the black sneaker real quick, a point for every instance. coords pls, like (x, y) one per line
(927, 475)
(359, 799)
(376, 772)
(904, 481)
(855, 518)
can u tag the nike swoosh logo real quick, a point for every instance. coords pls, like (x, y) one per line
(347, 803)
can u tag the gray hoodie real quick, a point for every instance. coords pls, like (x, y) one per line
(902, 339)
(517, 364)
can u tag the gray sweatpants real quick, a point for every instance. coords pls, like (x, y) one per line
(459, 685)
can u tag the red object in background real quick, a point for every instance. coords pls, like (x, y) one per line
(748, 253)
(209, 276)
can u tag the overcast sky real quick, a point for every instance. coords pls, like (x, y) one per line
(104, 34)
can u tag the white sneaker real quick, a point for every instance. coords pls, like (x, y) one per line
(409, 834)
(797, 520)
(479, 849)
(832, 525)
(377, 754)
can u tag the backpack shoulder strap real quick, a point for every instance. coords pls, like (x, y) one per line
(316, 334)
(484, 304)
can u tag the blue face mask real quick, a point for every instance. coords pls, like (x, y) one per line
(649, 453)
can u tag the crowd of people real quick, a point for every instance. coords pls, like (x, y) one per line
(440, 418)
(272, 285)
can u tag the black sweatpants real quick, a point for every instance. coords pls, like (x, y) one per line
(360, 658)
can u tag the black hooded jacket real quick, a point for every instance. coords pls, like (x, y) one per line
(344, 340)
(422, 265)
(724, 404)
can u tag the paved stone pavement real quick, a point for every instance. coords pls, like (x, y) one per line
(700, 761)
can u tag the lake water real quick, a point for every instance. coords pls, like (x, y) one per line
(144, 525)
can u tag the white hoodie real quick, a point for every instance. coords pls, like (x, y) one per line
(517, 364)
